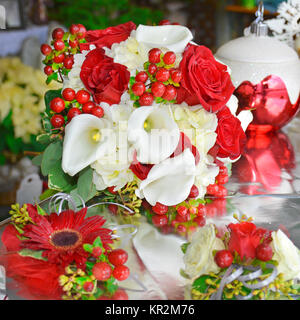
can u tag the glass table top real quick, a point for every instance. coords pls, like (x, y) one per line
(265, 185)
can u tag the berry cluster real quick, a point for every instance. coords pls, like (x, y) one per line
(72, 104)
(59, 57)
(105, 266)
(158, 81)
(183, 218)
(217, 189)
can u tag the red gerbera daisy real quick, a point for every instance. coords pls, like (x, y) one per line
(61, 237)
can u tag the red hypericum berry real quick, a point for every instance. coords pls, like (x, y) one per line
(141, 77)
(264, 252)
(138, 88)
(164, 22)
(46, 49)
(159, 220)
(170, 93)
(68, 94)
(176, 76)
(82, 31)
(59, 45)
(73, 44)
(97, 251)
(57, 34)
(162, 74)
(224, 258)
(113, 209)
(176, 24)
(154, 55)
(201, 209)
(182, 211)
(102, 271)
(223, 170)
(212, 189)
(68, 62)
(222, 192)
(57, 105)
(74, 29)
(59, 59)
(185, 218)
(88, 286)
(211, 210)
(146, 99)
(120, 295)
(88, 107)
(194, 193)
(48, 70)
(158, 89)
(57, 121)
(112, 190)
(160, 208)
(82, 96)
(97, 112)
(169, 58)
(121, 273)
(117, 257)
(200, 220)
(181, 228)
(152, 68)
(222, 178)
(73, 112)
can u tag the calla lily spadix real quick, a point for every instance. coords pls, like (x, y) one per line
(153, 133)
(87, 138)
(170, 181)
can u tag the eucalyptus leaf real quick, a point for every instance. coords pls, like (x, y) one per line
(85, 186)
(51, 158)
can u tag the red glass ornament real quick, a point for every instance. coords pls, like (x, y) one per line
(269, 101)
(266, 156)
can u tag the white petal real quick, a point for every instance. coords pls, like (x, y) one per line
(233, 104)
(245, 117)
(160, 142)
(79, 149)
(170, 181)
(172, 37)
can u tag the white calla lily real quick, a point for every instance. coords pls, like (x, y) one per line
(87, 138)
(170, 181)
(172, 37)
(153, 133)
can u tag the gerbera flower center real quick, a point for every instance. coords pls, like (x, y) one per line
(65, 239)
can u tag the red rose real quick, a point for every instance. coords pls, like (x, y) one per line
(107, 37)
(106, 80)
(245, 237)
(231, 138)
(204, 80)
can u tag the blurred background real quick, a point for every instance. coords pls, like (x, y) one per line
(26, 24)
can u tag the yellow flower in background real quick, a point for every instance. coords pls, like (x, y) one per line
(22, 90)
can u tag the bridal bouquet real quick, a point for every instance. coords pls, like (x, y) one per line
(144, 115)
(241, 263)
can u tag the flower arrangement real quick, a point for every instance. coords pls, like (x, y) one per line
(62, 255)
(144, 116)
(244, 262)
(22, 90)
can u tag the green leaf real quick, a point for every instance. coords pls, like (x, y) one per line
(85, 186)
(200, 285)
(41, 211)
(59, 180)
(37, 160)
(98, 243)
(47, 194)
(52, 155)
(88, 247)
(44, 138)
(32, 253)
(2, 159)
(184, 247)
(81, 280)
(53, 76)
(111, 286)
